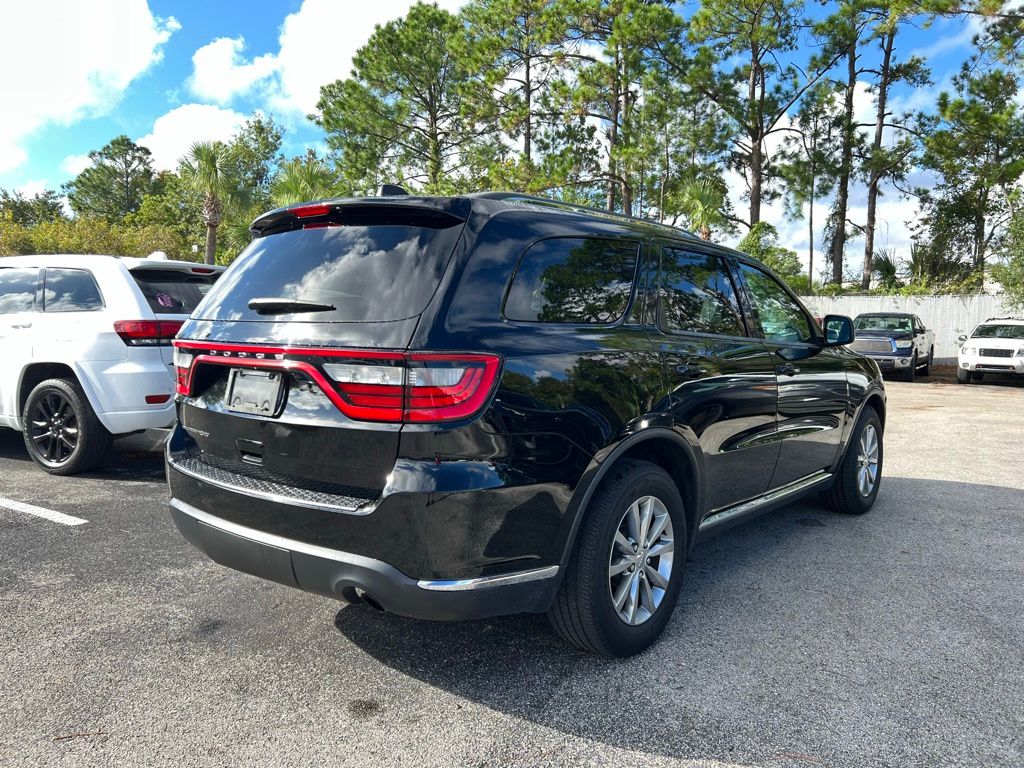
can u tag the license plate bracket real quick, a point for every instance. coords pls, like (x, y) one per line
(260, 393)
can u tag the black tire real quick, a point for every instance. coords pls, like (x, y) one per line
(583, 612)
(50, 449)
(845, 495)
(926, 368)
(911, 370)
(975, 376)
(962, 376)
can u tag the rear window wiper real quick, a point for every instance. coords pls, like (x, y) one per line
(283, 306)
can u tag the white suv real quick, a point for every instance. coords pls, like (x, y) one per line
(995, 346)
(86, 349)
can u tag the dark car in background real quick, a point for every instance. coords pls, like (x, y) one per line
(454, 408)
(897, 341)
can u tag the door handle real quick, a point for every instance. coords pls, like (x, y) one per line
(21, 325)
(787, 369)
(690, 370)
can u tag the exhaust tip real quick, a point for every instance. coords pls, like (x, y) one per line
(369, 600)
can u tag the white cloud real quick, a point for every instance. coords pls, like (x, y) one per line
(32, 188)
(174, 132)
(75, 164)
(316, 46)
(219, 72)
(68, 60)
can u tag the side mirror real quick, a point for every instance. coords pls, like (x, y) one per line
(838, 330)
(961, 338)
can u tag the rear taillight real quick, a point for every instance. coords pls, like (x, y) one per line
(147, 333)
(414, 387)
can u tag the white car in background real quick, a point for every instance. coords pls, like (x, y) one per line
(86, 349)
(995, 346)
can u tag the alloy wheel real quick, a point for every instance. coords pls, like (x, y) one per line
(867, 461)
(54, 428)
(640, 561)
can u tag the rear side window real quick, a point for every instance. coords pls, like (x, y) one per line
(70, 290)
(173, 292)
(371, 273)
(697, 295)
(573, 280)
(17, 290)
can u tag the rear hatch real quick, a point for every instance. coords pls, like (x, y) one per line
(173, 290)
(294, 372)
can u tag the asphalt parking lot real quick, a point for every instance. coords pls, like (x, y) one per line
(804, 638)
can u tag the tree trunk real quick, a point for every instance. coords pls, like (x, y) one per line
(211, 243)
(837, 246)
(613, 140)
(528, 128)
(810, 228)
(756, 180)
(875, 177)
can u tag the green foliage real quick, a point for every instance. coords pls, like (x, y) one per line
(210, 171)
(256, 154)
(88, 235)
(967, 210)
(762, 242)
(399, 118)
(1010, 272)
(121, 174)
(302, 179)
(29, 211)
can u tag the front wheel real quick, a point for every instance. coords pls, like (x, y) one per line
(911, 370)
(855, 487)
(61, 431)
(928, 363)
(626, 570)
(962, 376)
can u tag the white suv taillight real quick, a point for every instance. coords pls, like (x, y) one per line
(147, 333)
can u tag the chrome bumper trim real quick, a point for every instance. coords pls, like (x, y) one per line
(485, 582)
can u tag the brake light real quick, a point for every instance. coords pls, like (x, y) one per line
(203, 270)
(410, 387)
(307, 211)
(147, 333)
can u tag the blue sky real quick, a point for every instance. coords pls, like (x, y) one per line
(170, 72)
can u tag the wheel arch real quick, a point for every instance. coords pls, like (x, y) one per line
(38, 372)
(658, 445)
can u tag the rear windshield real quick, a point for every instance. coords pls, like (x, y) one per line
(367, 273)
(999, 332)
(170, 292)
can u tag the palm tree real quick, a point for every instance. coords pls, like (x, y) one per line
(209, 170)
(703, 203)
(303, 179)
(886, 267)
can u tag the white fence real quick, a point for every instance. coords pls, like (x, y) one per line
(947, 316)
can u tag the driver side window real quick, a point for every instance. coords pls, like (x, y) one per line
(781, 319)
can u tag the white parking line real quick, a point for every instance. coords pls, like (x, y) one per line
(49, 514)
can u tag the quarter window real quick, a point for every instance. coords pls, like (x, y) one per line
(697, 295)
(573, 280)
(781, 319)
(17, 290)
(70, 290)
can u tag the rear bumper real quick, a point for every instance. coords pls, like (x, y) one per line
(349, 577)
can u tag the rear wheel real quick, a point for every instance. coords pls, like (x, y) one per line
(60, 428)
(855, 487)
(626, 570)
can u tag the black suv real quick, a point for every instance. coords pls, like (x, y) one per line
(453, 408)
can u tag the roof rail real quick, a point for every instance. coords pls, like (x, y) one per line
(1008, 317)
(576, 208)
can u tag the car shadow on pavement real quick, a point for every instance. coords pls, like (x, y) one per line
(783, 626)
(134, 457)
